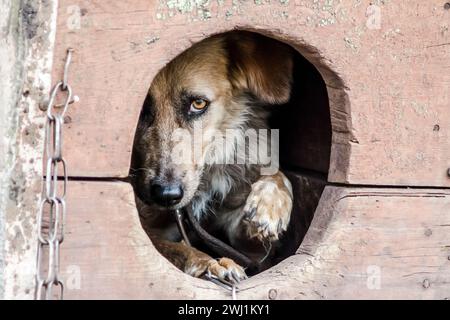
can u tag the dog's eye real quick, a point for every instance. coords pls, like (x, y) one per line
(198, 105)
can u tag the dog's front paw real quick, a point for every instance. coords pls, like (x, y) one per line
(224, 269)
(267, 211)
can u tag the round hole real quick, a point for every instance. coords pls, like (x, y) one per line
(303, 121)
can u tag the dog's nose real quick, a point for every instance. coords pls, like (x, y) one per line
(166, 194)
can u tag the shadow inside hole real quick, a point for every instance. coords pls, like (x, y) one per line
(305, 148)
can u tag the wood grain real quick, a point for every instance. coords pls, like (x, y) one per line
(356, 235)
(388, 87)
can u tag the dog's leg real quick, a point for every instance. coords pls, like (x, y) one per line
(197, 263)
(268, 207)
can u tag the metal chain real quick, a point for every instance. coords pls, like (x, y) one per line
(229, 286)
(52, 211)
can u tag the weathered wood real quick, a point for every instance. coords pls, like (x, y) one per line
(106, 246)
(357, 234)
(368, 244)
(389, 105)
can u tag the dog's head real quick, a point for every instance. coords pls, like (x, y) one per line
(198, 96)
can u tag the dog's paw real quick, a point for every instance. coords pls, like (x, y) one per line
(224, 269)
(267, 211)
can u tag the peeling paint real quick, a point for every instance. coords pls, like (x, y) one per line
(152, 40)
(197, 9)
(420, 108)
(325, 12)
(350, 43)
(202, 10)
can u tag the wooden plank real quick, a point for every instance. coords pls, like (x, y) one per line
(389, 105)
(359, 238)
(368, 244)
(107, 255)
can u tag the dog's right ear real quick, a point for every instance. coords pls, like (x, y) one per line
(260, 65)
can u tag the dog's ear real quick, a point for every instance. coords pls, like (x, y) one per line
(261, 66)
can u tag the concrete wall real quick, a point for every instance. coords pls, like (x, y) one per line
(27, 29)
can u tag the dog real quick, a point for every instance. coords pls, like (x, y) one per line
(224, 84)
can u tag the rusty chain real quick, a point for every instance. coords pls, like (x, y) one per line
(52, 211)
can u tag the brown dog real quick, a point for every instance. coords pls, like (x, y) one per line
(220, 87)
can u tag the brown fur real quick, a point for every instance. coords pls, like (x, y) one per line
(240, 73)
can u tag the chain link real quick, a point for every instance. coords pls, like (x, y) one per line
(52, 210)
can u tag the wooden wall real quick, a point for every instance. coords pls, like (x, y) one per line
(363, 243)
(390, 117)
(388, 87)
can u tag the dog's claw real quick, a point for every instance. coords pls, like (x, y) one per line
(223, 269)
(227, 269)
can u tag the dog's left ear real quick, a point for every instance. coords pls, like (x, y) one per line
(261, 66)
